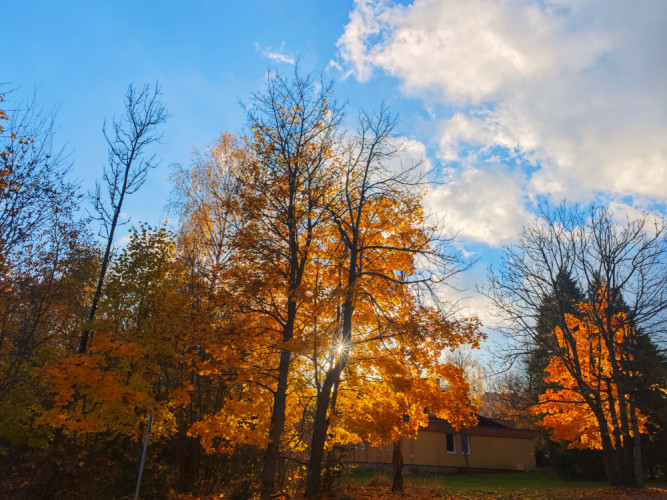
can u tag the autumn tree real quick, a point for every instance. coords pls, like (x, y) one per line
(45, 263)
(205, 200)
(386, 254)
(35, 194)
(569, 415)
(616, 260)
(395, 379)
(508, 397)
(293, 128)
(476, 373)
(244, 288)
(143, 361)
(564, 299)
(263, 220)
(125, 172)
(41, 307)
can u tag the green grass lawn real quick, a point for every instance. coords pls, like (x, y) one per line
(538, 484)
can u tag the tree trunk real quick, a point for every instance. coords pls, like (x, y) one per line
(277, 426)
(637, 449)
(332, 378)
(320, 428)
(466, 449)
(83, 344)
(188, 463)
(617, 462)
(397, 464)
(613, 475)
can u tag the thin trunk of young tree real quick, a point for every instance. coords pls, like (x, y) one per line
(83, 344)
(125, 173)
(466, 448)
(397, 466)
(637, 447)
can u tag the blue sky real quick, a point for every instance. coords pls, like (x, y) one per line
(514, 101)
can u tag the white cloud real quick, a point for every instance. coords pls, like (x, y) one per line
(411, 157)
(485, 205)
(471, 49)
(467, 300)
(354, 43)
(275, 55)
(624, 212)
(574, 92)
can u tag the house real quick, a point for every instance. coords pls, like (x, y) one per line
(491, 444)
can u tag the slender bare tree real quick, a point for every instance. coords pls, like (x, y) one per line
(126, 171)
(34, 191)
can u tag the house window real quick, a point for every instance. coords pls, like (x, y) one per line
(450, 444)
(465, 444)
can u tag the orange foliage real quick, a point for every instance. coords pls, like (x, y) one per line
(394, 381)
(139, 361)
(394, 358)
(571, 409)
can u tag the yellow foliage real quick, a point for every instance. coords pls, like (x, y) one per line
(141, 348)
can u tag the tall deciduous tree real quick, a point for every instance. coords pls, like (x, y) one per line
(294, 127)
(126, 171)
(386, 253)
(630, 261)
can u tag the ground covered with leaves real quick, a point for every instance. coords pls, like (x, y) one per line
(496, 486)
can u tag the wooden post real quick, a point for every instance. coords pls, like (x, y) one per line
(143, 456)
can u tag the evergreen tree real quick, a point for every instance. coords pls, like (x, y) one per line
(566, 293)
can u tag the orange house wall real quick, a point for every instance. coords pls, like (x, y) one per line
(429, 448)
